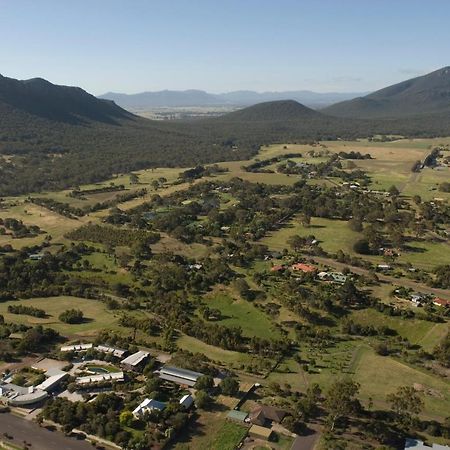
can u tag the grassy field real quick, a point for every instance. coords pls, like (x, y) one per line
(243, 314)
(97, 316)
(333, 235)
(417, 331)
(380, 376)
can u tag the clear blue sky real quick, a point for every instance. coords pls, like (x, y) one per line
(222, 45)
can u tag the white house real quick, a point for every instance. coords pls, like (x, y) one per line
(146, 406)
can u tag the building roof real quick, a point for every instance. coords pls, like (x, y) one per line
(263, 413)
(76, 347)
(110, 376)
(186, 401)
(147, 405)
(303, 267)
(136, 358)
(441, 302)
(52, 381)
(256, 430)
(277, 268)
(177, 380)
(118, 352)
(189, 375)
(419, 445)
(239, 416)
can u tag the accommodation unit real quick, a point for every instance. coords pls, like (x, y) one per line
(182, 377)
(147, 406)
(300, 267)
(53, 380)
(264, 415)
(415, 444)
(117, 352)
(277, 268)
(441, 302)
(136, 361)
(100, 378)
(76, 347)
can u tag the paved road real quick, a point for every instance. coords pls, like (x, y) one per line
(39, 437)
(444, 293)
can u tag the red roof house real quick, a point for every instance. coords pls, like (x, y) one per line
(441, 302)
(303, 267)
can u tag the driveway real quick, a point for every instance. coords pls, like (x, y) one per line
(41, 439)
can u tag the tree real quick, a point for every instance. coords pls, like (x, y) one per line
(229, 386)
(296, 242)
(126, 418)
(305, 219)
(406, 404)
(340, 400)
(204, 382)
(134, 179)
(393, 191)
(202, 399)
(71, 316)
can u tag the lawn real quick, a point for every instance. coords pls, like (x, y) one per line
(229, 436)
(243, 314)
(416, 331)
(333, 235)
(95, 312)
(379, 376)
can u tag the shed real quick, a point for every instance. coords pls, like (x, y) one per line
(179, 376)
(258, 432)
(237, 416)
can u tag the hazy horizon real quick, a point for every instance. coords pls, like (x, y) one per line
(109, 46)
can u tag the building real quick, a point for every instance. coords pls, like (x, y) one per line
(264, 415)
(277, 268)
(300, 267)
(53, 380)
(147, 406)
(186, 401)
(136, 361)
(76, 348)
(259, 432)
(117, 352)
(100, 378)
(237, 416)
(441, 302)
(182, 377)
(384, 267)
(415, 444)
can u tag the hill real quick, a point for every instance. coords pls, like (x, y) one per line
(277, 111)
(69, 104)
(193, 98)
(428, 94)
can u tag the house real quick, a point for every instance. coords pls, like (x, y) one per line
(338, 277)
(384, 267)
(136, 361)
(186, 401)
(259, 432)
(182, 377)
(278, 268)
(117, 352)
(264, 415)
(441, 302)
(147, 406)
(415, 444)
(36, 256)
(300, 267)
(76, 348)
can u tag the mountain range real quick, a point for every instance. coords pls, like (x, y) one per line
(421, 95)
(198, 98)
(54, 137)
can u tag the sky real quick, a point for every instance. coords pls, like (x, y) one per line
(223, 45)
